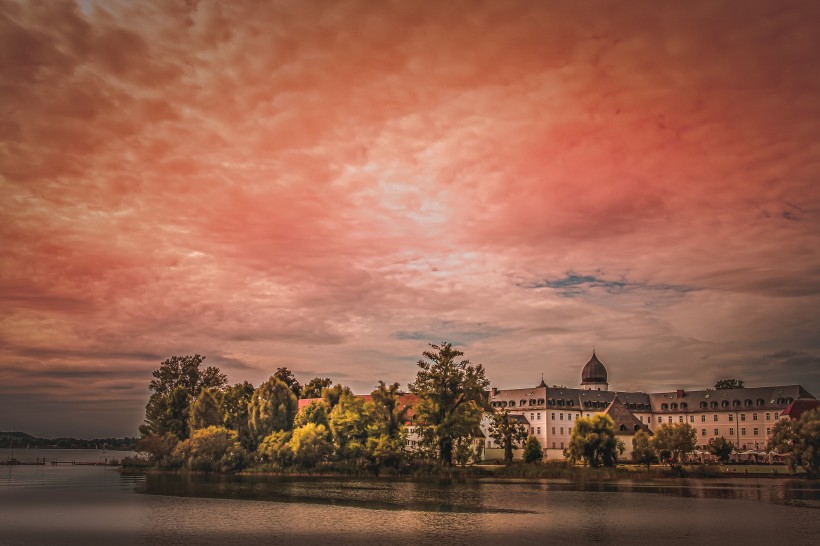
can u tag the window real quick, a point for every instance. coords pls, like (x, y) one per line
(731, 417)
(539, 416)
(743, 431)
(680, 419)
(768, 416)
(742, 416)
(674, 405)
(553, 445)
(622, 428)
(775, 416)
(664, 406)
(562, 445)
(553, 430)
(532, 417)
(553, 417)
(716, 418)
(539, 431)
(660, 419)
(562, 430)
(716, 432)
(754, 417)
(731, 431)
(703, 432)
(560, 416)
(702, 418)
(756, 432)
(691, 418)
(724, 404)
(670, 418)
(703, 405)
(768, 431)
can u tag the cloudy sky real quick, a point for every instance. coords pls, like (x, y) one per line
(329, 186)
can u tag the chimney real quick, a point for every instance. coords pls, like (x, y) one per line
(679, 393)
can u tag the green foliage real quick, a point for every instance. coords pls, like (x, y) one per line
(272, 408)
(388, 411)
(276, 449)
(642, 450)
(507, 433)
(204, 411)
(234, 410)
(158, 447)
(533, 453)
(287, 377)
(800, 440)
(174, 387)
(593, 441)
(316, 412)
(332, 395)
(349, 423)
(727, 384)
(720, 448)
(212, 449)
(451, 399)
(383, 450)
(310, 446)
(314, 387)
(677, 439)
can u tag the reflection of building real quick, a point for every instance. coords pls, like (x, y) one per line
(743, 416)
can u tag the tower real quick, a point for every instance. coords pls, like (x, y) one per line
(593, 376)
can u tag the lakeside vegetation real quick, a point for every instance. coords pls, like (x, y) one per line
(195, 421)
(22, 440)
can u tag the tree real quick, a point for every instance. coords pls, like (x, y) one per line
(287, 377)
(726, 384)
(388, 410)
(272, 408)
(349, 423)
(678, 439)
(176, 383)
(234, 409)
(387, 430)
(508, 432)
(532, 450)
(204, 411)
(309, 445)
(316, 412)
(642, 450)
(720, 448)
(212, 449)
(314, 387)
(332, 395)
(451, 399)
(800, 439)
(593, 441)
(158, 447)
(275, 447)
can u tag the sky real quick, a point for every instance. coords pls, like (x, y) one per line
(332, 185)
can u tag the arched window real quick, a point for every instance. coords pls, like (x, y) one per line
(747, 403)
(540, 401)
(522, 402)
(713, 404)
(570, 403)
(724, 404)
(683, 405)
(664, 406)
(637, 427)
(674, 405)
(735, 403)
(560, 403)
(622, 428)
(761, 402)
(703, 405)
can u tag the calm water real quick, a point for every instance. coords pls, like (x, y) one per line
(96, 505)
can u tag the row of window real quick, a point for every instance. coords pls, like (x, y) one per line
(714, 418)
(734, 403)
(755, 431)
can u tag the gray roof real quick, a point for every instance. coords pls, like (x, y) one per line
(754, 398)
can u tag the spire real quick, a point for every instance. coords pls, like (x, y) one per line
(542, 381)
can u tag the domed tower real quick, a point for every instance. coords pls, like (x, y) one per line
(593, 376)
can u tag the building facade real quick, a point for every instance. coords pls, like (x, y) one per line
(743, 416)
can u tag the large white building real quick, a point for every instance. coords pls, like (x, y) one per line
(743, 416)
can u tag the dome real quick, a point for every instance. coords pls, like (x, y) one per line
(594, 371)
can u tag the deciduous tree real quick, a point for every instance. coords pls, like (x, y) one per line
(533, 453)
(800, 440)
(720, 448)
(593, 441)
(310, 446)
(272, 408)
(287, 377)
(507, 432)
(726, 384)
(678, 439)
(642, 450)
(451, 399)
(204, 410)
(314, 387)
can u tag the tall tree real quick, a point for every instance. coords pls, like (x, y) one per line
(332, 395)
(234, 410)
(389, 412)
(310, 446)
(642, 450)
(349, 423)
(727, 384)
(451, 399)
(507, 432)
(593, 441)
(317, 412)
(272, 408)
(679, 439)
(314, 387)
(176, 384)
(800, 440)
(204, 411)
(287, 377)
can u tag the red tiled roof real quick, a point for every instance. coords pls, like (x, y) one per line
(799, 407)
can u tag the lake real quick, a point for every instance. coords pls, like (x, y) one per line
(98, 505)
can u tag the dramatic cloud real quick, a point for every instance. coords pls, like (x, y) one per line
(331, 185)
